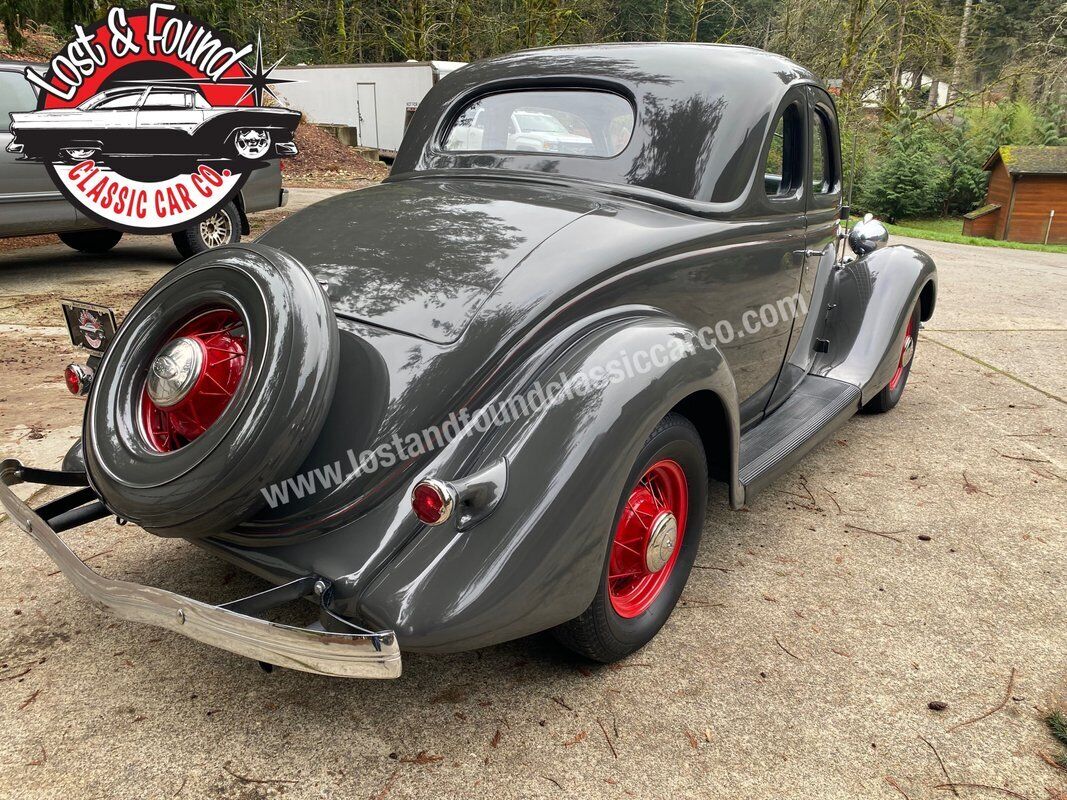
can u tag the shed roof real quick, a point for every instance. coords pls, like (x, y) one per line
(1030, 160)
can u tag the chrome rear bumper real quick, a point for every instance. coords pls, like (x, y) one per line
(349, 655)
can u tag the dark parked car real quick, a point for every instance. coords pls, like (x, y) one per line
(485, 398)
(33, 205)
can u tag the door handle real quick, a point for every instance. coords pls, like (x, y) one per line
(800, 257)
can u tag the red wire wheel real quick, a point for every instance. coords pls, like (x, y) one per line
(648, 538)
(906, 351)
(193, 377)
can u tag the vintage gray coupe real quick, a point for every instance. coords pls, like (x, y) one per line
(485, 399)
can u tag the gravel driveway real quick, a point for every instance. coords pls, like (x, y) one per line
(918, 557)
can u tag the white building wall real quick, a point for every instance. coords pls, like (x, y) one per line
(330, 95)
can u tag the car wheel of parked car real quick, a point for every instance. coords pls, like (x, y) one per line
(655, 541)
(76, 153)
(251, 143)
(216, 385)
(891, 394)
(221, 228)
(91, 241)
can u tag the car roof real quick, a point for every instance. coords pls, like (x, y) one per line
(703, 113)
(141, 88)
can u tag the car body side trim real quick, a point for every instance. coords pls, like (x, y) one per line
(30, 197)
(351, 655)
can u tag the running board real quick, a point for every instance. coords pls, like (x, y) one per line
(817, 407)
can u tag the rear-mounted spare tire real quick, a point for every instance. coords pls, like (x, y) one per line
(216, 385)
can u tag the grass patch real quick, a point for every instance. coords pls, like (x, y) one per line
(949, 230)
(1056, 722)
(1057, 726)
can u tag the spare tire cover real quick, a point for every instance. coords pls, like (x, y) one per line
(213, 482)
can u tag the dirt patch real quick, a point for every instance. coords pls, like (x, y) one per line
(20, 242)
(324, 161)
(40, 45)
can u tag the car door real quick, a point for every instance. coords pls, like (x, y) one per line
(113, 121)
(822, 203)
(30, 203)
(766, 272)
(168, 116)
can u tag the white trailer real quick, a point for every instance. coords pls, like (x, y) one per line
(375, 99)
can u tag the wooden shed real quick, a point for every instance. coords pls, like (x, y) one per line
(1027, 196)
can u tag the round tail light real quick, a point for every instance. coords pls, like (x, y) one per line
(433, 501)
(78, 379)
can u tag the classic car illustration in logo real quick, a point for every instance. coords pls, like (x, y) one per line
(161, 124)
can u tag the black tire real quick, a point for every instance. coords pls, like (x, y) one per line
(213, 482)
(600, 633)
(198, 238)
(93, 242)
(890, 394)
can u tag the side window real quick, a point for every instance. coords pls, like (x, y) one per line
(15, 95)
(822, 179)
(167, 100)
(782, 170)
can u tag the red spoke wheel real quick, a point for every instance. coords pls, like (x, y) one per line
(907, 350)
(651, 547)
(645, 547)
(891, 393)
(193, 378)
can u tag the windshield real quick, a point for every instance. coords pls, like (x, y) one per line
(578, 122)
(109, 100)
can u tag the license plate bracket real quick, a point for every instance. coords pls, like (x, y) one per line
(91, 327)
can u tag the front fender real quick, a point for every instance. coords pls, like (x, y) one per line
(537, 561)
(871, 299)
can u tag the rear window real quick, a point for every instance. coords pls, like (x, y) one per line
(577, 122)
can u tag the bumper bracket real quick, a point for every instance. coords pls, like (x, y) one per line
(355, 653)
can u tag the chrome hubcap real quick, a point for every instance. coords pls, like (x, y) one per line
(908, 351)
(215, 230)
(174, 372)
(661, 541)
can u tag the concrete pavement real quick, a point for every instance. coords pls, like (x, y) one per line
(919, 556)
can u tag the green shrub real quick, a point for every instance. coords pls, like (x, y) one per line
(910, 178)
(965, 180)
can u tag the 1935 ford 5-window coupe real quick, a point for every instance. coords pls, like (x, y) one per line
(486, 398)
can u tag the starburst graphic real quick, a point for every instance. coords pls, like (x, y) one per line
(259, 79)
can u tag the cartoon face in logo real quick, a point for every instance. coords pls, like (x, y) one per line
(158, 135)
(92, 330)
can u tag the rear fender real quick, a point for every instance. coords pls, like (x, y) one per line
(870, 301)
(536, 561)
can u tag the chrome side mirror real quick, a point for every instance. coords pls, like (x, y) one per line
(867, 236)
